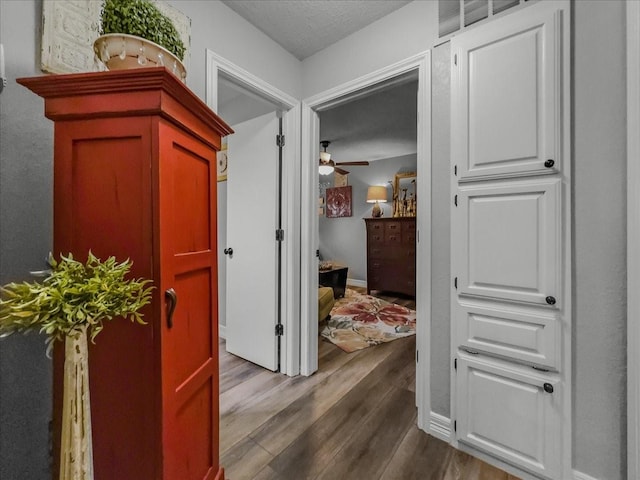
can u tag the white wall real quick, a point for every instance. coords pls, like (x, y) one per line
(216, 27)
(407, 31)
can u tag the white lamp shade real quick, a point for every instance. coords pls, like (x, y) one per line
(376, 193)
(325, 168)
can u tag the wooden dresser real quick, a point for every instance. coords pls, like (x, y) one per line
(391, 254)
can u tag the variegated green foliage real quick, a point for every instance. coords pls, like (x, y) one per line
(74, 294)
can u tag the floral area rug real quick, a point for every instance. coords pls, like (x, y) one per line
(359, 321)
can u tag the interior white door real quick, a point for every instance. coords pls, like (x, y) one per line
(511, 229)
(506, 102)
(252, 213)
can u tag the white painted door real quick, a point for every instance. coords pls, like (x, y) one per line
(511, 412)
(510, 230)
(507, 108)
(252, 213)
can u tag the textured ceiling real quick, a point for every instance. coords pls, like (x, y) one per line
(375, 127)
(304, 27)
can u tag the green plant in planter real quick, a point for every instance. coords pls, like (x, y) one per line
(141, 18)
(74, 296)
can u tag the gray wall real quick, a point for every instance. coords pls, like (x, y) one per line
(599, 342)
(440, 229)
(26, 152)
(25, 239)
(344, 239)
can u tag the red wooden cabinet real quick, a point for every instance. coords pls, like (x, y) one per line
(135, 177)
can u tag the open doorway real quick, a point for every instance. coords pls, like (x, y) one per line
(373, 143)
(311, 110)
(266, 250)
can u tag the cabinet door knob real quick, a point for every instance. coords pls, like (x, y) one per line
(551, 300)
(549, 163)
(228, 251)
(548, 388)
(172, 298)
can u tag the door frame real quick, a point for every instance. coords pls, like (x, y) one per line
(633, 239)
(309, 224)
(290, 301)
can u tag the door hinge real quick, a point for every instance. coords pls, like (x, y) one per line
(279, 235)
(279, 330)
(280, 140)
(455, 59)
(455, 283)
(455, 170)
(417, 356)
(455, 364)
(455, 200)
(455, 425)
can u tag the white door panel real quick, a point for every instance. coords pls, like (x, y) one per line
(510, 411)
(509, 237)
(505, 99)
(252, 196)
(527, 336)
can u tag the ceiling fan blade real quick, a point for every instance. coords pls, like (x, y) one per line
(352, 163)
(340, 171)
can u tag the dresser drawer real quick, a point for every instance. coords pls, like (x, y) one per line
(393, 233)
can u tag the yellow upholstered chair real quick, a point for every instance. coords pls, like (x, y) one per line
(325, 302)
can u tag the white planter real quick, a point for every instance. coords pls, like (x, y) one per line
(76, 451)
(119, 51)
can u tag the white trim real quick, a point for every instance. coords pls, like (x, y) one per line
(357, 283)
(582, 476)
(222, 331)
(215, 64)
(440, 426)
(633, 239)
(309, 230)
(310, 149)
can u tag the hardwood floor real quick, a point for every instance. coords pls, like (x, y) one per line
(354, 419)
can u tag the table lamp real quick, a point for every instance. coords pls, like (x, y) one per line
(375, 194)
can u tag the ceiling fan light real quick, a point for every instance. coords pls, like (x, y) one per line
(325, 156)
(325, 169)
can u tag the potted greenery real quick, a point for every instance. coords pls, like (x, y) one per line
(134, 34)
(71, 304)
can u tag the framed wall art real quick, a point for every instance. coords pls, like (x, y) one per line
(339, 202)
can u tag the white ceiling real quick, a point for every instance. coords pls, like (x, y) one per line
(304, 27)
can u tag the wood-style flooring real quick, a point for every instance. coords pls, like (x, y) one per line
(354, 419)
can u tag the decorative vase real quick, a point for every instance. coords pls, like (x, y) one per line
(76, 451)
(119, 51)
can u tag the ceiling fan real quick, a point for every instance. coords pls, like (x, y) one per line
(327, 165)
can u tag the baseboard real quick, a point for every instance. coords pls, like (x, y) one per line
(582, 476)
(222, 331)
(357, 283)
(440, 426)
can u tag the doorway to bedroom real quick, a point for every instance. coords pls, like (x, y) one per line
(366, 222)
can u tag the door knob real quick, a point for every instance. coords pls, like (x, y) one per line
(549, 163)
(228, 251)
(550, 300)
